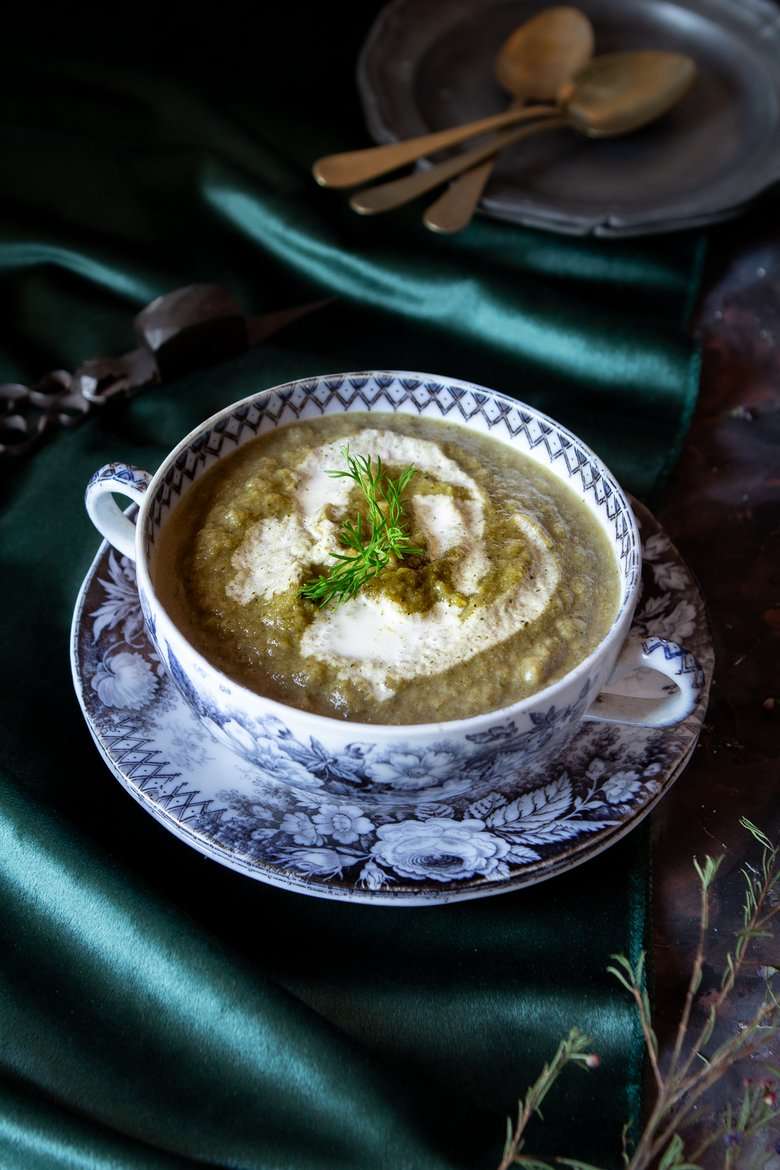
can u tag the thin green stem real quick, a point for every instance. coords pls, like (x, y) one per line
(650, 1041)
(679, 1092)
(695, 980)
(572, 1050)
(737, 1050)
(733, 972)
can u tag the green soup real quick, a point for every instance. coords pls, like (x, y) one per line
(511, 584)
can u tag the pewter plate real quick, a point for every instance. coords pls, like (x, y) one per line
(428, 64)
(357, 847)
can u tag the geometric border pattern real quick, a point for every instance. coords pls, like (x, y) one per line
(688, 663)
(130, 746)
(459, 402)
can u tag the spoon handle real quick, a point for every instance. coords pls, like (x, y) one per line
(453, 210)
(358, 166)
(386, 196)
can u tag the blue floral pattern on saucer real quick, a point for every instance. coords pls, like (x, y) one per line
(378, 824)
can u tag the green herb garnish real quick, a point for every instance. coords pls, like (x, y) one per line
(374, 543)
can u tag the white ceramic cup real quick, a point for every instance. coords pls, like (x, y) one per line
(418, 761)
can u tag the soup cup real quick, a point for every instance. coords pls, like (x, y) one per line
(413, 762)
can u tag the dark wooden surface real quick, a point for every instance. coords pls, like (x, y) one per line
(723, 512)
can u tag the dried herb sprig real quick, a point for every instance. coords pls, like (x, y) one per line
(373, 544)
(691, 1070)
(575, 1049)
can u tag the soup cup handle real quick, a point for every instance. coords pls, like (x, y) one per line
(111, 522)
(681, 693)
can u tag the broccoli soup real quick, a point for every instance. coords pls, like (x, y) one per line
(386, 568)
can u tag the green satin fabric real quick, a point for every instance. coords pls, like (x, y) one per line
(156, 1010)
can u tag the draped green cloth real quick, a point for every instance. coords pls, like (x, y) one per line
(157, 1011)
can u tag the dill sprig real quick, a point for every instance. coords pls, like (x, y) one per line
(383, 536)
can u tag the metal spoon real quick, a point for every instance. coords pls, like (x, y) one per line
(357, 166)
(535, 61)
(613, 95)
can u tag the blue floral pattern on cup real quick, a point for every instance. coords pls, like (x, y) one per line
(399, 770)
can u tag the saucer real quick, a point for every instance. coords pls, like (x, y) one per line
(359, 846)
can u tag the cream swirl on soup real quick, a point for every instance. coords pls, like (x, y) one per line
(512, 582)
(372, 637)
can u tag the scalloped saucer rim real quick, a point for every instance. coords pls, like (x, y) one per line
(308, 847)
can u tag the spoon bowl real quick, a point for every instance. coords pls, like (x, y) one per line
(620, 92)
(544, 53)
(535, 61)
